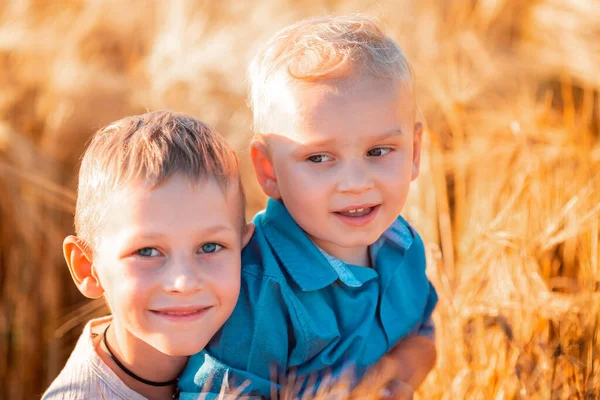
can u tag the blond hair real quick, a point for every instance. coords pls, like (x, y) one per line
(320, 49)
(150, 148)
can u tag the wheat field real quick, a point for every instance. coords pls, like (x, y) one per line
(508, 201)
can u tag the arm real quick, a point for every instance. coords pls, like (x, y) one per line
(414, 356)
(407, 364)
(404, 368)
(410, 360)
(401, 371)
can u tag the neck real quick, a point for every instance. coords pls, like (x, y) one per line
(143, 360)
(358, 256)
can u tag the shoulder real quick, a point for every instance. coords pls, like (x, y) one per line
(267, 294)
(404, 236)
(259, 261)
(86, 376)
(265, 280)
(77, 376)
(404, 233)
(417, 243)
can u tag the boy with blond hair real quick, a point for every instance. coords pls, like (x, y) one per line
(333, 279)
(160, 226)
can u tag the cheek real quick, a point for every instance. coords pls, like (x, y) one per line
(225, 279)
(301, 183)
(127, 291)
(397, 168)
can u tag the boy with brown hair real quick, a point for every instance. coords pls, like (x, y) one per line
(160, 225)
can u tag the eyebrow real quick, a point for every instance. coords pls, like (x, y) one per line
(375, 138)
(217, 229)
(388, 135)
(211, 230)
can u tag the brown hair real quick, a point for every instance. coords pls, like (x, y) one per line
(151, 147)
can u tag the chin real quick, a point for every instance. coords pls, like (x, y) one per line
(356, 243)
(181, 348)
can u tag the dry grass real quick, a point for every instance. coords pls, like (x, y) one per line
(508, 202)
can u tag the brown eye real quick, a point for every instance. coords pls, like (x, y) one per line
(319, 158)
(379, 151)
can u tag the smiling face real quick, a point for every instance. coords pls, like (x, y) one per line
(344, 164)
(168, 260)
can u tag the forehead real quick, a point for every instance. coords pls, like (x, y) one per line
(176, 204)
(362, 105)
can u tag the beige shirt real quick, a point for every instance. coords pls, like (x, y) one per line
(86, 376)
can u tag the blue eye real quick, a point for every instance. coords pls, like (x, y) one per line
(379, 151)
(148, 252)
(319, 158)
(210, 248)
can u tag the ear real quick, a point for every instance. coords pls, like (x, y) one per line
(263, 167)
(79, 260)
(416, 158)
(248, 234)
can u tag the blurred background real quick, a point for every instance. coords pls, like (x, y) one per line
(508, 201)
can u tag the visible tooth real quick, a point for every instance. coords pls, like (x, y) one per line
(178, 313)
(360, 210)
(351, 211)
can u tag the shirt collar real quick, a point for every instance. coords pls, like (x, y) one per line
(345, 274)
(400, 234)
(297, 253)
(309, 266)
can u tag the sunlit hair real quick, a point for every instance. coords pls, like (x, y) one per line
(149, 148)
(321, 49)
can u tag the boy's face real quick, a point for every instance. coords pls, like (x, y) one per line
(344, 165)
(168, 260)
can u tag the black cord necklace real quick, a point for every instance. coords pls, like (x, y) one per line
(131, 374)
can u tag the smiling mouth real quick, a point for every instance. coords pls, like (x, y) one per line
(357, 216)
(181, 313)
(357, 212)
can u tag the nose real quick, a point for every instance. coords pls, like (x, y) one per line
(183, 276)
(355, 177)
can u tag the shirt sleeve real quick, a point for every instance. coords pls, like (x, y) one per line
(253, 346)
(427, 328)
(417, 261)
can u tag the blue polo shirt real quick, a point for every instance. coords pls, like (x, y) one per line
(305, 312)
